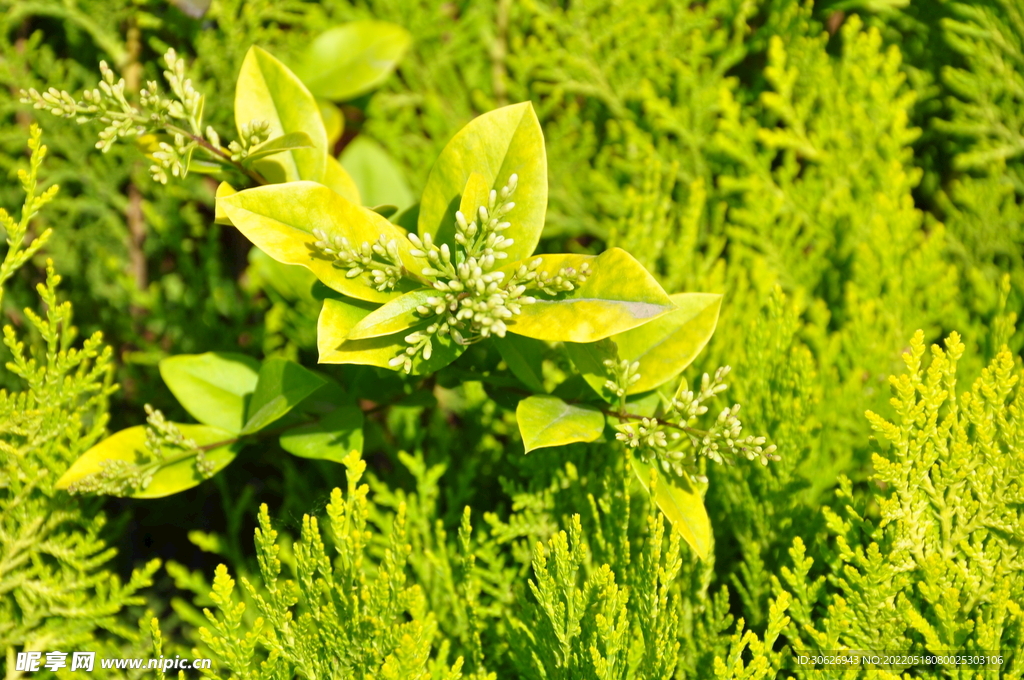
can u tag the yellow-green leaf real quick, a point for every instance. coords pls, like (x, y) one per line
(664, 347)
(397, 315)
(496, 145)
(128, 445)
(618, 295)
(282, 385)
(525, 359)
(589, 358)
(276, 145)
(334, 122)
(545, 421)
(681, 503)
(337, 319)
(474, 195)
(279, 219)
(267, 90)
(223, 190)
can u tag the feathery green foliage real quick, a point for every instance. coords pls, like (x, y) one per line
(57, 591)
(938, 571)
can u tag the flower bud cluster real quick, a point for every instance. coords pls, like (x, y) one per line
(381, 260)
(189, 104)
(175, 158)
(625, 374)
(473, 301)
(674, 443)
(567, 279)
(253, 133)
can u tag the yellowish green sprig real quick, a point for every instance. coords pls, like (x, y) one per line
(179, 115)
(16, 230)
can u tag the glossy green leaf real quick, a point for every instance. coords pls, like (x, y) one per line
(331, 437)
(339, 317)
(525, 359)
(279, 220)
(288, 142)
(618, 295)
(497, 144)
(385, 210)
(589, 358)
(340, 182)
(379, 178)
(350, 60)
(176, 476)
(282, 385)
(682, 505)
(545, 420)
(267, 90)
(327, 398)
(397, 315)
(213, 386)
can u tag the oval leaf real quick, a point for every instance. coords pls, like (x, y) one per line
(397, 315)
(279, 220)
(288, 142)
(545, 421)
(496, 145)
(267, 90)
(664, 347)
(525, 359)
(339, 317)
(128, 445)
(589, 358)
(223, 190)
(350, 60)
(282, 385)
(681, 503)
(618, 295)
(334, 121)
(212, 387)
(330, 438)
